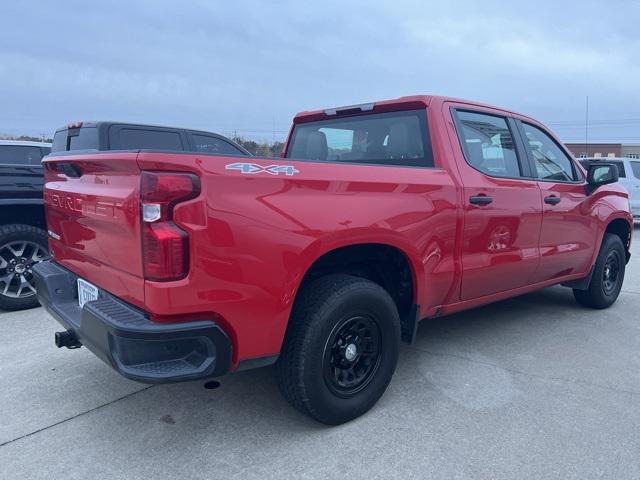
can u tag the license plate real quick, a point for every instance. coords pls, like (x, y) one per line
(86, 292)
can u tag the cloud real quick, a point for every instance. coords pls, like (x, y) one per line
(249, 66)
(523, 47)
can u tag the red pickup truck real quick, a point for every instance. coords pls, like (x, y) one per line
(174, 266)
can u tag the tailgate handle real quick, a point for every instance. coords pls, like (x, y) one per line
(70, 170)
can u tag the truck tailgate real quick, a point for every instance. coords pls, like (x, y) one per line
(93, 217)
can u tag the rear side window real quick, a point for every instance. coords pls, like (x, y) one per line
(216, 145)
(550, 160)
(394, 138)
(488, 144)
(138, 138)
(59, 141)
(85, 138)
(635, 166)
(20, 155)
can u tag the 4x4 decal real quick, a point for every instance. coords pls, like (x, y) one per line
(253, 168)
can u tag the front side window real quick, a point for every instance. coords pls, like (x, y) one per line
(550, 160)
(20, 155)
(393, 138)
(488, 144)
(635, 166)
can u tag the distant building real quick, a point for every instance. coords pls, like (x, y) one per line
(631, 151)
(604, 150)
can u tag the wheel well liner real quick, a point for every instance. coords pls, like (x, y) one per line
(383, 264)
(24, 214)
(622, 229)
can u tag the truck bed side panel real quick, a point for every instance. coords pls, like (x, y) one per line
(253, 236)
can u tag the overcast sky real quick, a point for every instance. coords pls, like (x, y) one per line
(250, 66)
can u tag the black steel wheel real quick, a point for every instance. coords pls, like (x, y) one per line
(611, 272)
(352, 355)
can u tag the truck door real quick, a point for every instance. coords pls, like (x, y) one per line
(502, 204)
(22, 172)
(569, 231)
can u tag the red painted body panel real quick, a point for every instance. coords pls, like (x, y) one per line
(97, 217)
(569, 231)
(253, 237)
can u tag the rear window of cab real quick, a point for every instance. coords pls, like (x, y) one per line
(391, 138)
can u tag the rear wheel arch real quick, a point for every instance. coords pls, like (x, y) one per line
(385, 264)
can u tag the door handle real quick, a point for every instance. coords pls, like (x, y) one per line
(480, 200)
(552, 200)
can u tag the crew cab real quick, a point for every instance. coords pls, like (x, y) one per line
(175, 266)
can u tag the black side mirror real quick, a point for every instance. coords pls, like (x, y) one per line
(601, 174)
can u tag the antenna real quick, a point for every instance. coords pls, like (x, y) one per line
(586, 128)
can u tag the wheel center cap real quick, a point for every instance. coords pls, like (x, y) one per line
(20, 268)
(350, 352)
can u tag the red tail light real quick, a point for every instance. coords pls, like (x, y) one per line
(165, 247)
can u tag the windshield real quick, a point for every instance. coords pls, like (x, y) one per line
(394, 138)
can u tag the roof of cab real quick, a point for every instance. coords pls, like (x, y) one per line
(24, 143)
(99, 123)
(412, 101)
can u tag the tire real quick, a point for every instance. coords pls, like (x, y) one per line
(21, 246)
(341, 348)
(608, 275)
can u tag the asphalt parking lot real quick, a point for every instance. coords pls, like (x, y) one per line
(533, 387)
